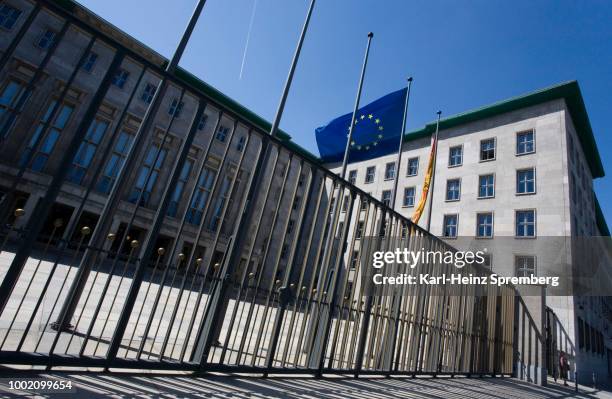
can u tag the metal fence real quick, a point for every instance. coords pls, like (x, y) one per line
(247, 268)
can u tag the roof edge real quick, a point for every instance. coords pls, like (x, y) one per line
(600, 219)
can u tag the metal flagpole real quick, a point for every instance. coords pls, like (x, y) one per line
(400, 146)
(433, 172)
(210, 326)
(327, 322)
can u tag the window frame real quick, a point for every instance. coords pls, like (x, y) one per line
(446, 215)
(446, 190)
(387, 165)
(20, 13)
(352, 176)
(404, 205)
(522, 132)
(494, 150)
(535, 223)
(478, 214)
(460, 146)
(408, 167)
(521, 255)
(373, 169)
(494, 190)
(535, 183)
(40, 38)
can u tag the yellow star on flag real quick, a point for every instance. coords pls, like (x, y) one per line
(370, 116)
(377, 121)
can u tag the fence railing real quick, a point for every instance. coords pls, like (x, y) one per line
(205, 244)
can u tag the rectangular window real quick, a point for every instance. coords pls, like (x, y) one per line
(525, 223)
(9, 100)
(413, 167)
(390, 171)
(222, 132)
(90, 61)
(370, 174)
(87, 150)
(176, 107)
(486, 186)
(149, 172)
(455, 156)
(484, 225)
(120, 78)
(386, 197)
(115, 162)
(202, 122)
(47, 143)
(359, 231)
(364, 202)
(148, 92)
(525, 265)
(240, 147)
(352, 177)
(178, 189)
(487, 150)
(8, 16)
(525, 181)
(200, 197)
(46, 39)
(450, 226)
(222, 198)
(453, 189)
(345, 203)
(525, 142)
(409, 193)
(354, 260)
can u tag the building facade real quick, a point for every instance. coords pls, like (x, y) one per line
(514, 179)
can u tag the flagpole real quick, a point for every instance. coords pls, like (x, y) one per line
(400, 146)
(433, 172)
(352, 125)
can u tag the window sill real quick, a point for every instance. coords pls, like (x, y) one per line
(523, 194)
(524, 153)
(525, 237)
(452, 200)
(487, 160)
(455, 166)
(489, 197)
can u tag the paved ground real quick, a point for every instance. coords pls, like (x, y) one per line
(97, 385)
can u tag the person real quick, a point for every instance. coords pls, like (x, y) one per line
(563, 367)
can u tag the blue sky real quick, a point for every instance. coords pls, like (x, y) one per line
(462, 54)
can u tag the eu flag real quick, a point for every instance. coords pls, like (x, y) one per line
(376, 133)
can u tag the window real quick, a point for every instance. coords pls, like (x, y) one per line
(202, 122)
(120, 78)
(115, 162)
(200, 197)
(364, 202)
(45, 41)
(359, 231)
(409, 193)
(525, 181)
(149, 172)
(222, 198)
(352, 176)
(176, 107)
(525, 223)
(487, 150)
(487, 261)
(386, 197)
(345, 203)
(525, 142)
(486, 186)
(240, 147)
(178, 189)
(370, 173)
(404, 230)
(390, 171)
(41, 154)
(525, 265)
(413, 167)
(222, 132)
(455, 156)
(148, 92)
(450, 226)
(354, 260)
(484, 225)
(86, 151)
(8, 16)
(453, 189)
(9, 100)
(90, 61)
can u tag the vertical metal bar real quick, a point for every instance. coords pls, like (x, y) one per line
(38, 217)
(433, 173)
(149, 242)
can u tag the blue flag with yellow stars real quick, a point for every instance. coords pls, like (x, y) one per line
(377, 131)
